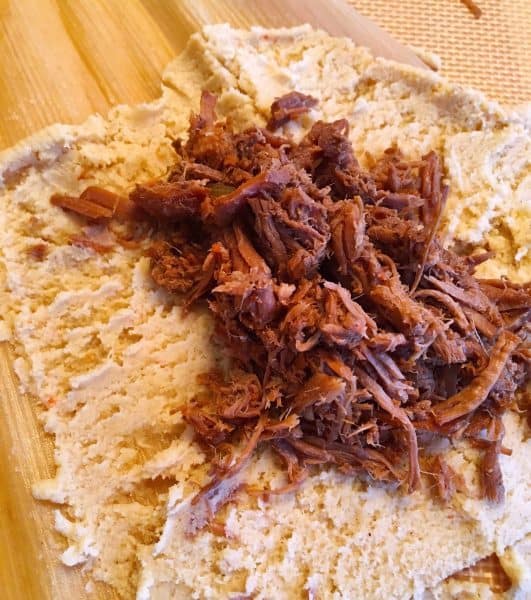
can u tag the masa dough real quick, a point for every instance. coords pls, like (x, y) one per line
(111, 358)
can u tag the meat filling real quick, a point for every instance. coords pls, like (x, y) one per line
(351, 330)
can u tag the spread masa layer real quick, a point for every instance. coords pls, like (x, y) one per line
(111, 358)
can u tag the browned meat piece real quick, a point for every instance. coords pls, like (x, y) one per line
(326, 153)
(347, 226)
(485, 427)
(213, 146)
(293, 232)
(432, 191)
(517, 320)
(512, 377)
(209, 143)
(449, 348)
(170, 201)
(349, 182)
(194, 170)
(288, 108)
(332, 139)
(474, 298)
(310, 453)
(222, 487)
(246, 291)
(352, 459)
(176, 268)
(209, 428)
(38, 251)
(244, 256)
(216, 263)
(269, 236)
(408, 316)
(224, 400)
(83, 241)
(395, 174)
(295, 471)
(319, 389)
(416, 191)
(207, 112)
(224, 208)
(480, 322)
(399, 200)
(253, 297)
(473, 395)
(305, 156)
(476, 259)
(245, 394)
(386, 341)
(507, 295)
(424, 379)
(400, 238)
(344, 323)
(122, 208)
(258, 150)
(299, 329)
(435, 196)
(491, 474)
(390, 376)
(454, 309)
(446, 479)
(94, 203)
(385, 402)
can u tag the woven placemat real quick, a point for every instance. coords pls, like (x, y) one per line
(488, 571)
(491, 53)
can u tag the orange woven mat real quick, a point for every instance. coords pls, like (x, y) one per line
(488, 571)
(492, 53)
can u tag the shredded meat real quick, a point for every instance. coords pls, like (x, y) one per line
(491, 474)
(176, 263)
(350, 329)
(447, 481)
(506, 295)
(347, 226)
(289, 107)
(222, 209)
(170, 201)
(477, 391)
(96, 204)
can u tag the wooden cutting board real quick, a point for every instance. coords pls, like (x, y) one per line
(60, 61)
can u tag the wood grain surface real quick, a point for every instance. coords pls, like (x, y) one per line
(63, 60)
(59, 62)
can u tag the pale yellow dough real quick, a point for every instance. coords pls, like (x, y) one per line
(114, 357)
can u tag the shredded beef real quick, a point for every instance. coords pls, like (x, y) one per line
(476, 392)
(222, 209)
(491, 474)
(447, 481)
(350, 329)
(176, 262)
(289, 107)
(96, 204)
(170, 201)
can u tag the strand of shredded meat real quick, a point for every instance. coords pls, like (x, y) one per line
(351, 329)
